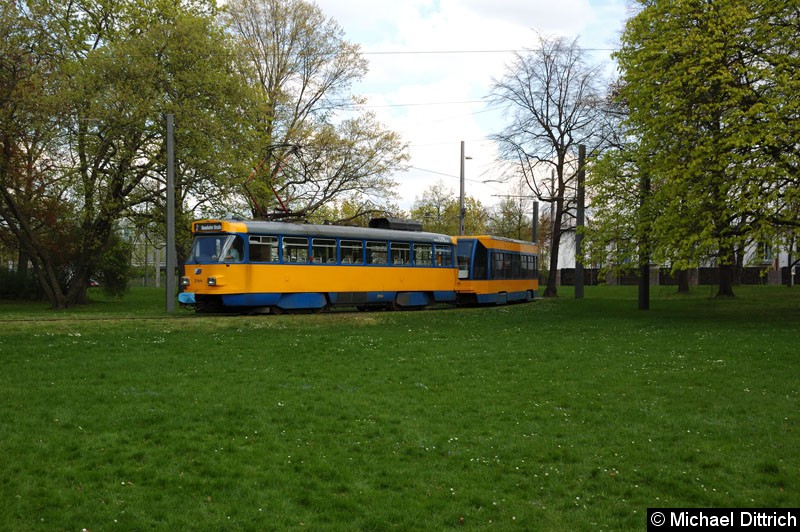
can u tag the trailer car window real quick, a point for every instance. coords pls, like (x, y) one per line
(481, 262)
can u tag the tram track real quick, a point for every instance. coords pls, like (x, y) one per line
(92, 318)
(192, 315)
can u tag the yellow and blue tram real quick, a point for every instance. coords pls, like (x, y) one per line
(277, 266)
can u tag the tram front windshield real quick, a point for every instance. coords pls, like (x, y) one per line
(464, 253)
(216, 248)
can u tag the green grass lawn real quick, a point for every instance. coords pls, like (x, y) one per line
(554, 415)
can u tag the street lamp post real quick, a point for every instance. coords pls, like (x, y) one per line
(171, 252)
(461, 209)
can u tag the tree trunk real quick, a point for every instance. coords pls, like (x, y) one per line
(552, 290)
(48, 282)
(644, 244)
(727, 265)
(23, 259)
(78, 291)
(683, 281)
(726, 281)
(739, 269)
(555, 243)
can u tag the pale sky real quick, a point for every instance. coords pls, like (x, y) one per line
(436, 100)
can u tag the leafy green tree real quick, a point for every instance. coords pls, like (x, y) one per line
(306, 154)
(513, 216)
(36, 205)
(84, 100)
(476, 217)
(711, 125)
(355, 211)
(511, 219)
(438, 208)
(115, 266)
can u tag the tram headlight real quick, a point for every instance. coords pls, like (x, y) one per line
(185, 281)
(212, 281)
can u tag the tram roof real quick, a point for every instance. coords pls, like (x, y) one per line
(488, 238)
(340, 231)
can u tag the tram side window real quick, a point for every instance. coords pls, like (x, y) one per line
(423, 254)
(444, 255)
(376, 252)
(323, 250)
(352, 251)
(516, 266)
(263, 248)
(529, 266)
(501, 265)
(400, 253)
(295, 249)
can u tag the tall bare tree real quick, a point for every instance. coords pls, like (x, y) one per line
(554, 102)
(304, 69)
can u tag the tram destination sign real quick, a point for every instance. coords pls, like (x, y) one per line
(216, 226)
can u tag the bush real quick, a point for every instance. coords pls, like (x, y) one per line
(18, 285)
(115, 270)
